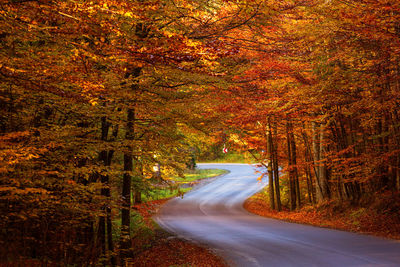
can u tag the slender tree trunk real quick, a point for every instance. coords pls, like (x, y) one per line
(396, 130)
(292, 183)
(309, 185)
(105, 222)
(295, 170)
(125, 242)
(309, 160)
(398, 175)
(276, 170)
(108, 210)
(101, 234)
(339, 188)
(270, 173)
(125, 239)
(322, 166)
(103, 158)
(316, 155)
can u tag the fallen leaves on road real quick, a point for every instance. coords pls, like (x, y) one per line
(173, 251)
(164, 249)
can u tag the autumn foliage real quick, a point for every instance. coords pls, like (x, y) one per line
(317, 100)
(95, 94)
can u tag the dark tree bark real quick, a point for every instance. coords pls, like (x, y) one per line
(323, 171)
(307, 169)
(103, 178)
(292, 183)
(276, 170)
(268, 138)
(295, 169)
(105, 222)
(125, 242)
(316, 154)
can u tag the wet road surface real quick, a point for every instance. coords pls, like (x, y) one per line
(214, 215)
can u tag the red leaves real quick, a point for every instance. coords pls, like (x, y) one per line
(374, 220)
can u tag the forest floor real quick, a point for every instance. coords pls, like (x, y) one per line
(379, 218)
(163, 249)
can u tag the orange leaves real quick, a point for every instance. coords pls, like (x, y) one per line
(371, 220)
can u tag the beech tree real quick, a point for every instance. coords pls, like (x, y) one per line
(93, 95)
(326, 73)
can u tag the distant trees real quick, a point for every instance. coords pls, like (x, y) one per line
(326, 74)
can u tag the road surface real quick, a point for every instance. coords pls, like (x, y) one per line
(213, 215)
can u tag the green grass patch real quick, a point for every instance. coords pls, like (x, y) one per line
(232, 158)
(157, 194)
(198, 174)
(190, 176)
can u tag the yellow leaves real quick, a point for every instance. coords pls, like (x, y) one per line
(11, 69)
(93, 102)
(90, 90)
(168, 34)
(75, 52)
(209, 62)
(13, 156)
(261, 177)
(192, 43)
(128, 14)
(236, 139)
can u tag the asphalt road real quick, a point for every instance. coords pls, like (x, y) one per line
(213, 215)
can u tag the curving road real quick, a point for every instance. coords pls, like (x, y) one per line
(213, 215)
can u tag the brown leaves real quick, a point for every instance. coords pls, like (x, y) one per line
(176, 252)
(379, 218)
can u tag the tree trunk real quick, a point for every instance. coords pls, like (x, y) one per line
(397, 179)
(270, 173)
(103, 158)
(309, 185)
(316, 154)
(125, 242)
(339, 187)
(322, 167)
(295, 170)
(276, 171)
(292, 184)
(105, 222)
(108, 209)
(309, 160)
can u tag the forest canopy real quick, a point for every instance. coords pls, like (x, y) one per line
(94, 94)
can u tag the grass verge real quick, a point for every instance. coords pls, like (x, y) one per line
(199, 174)
(232, 157)
(184, 184)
